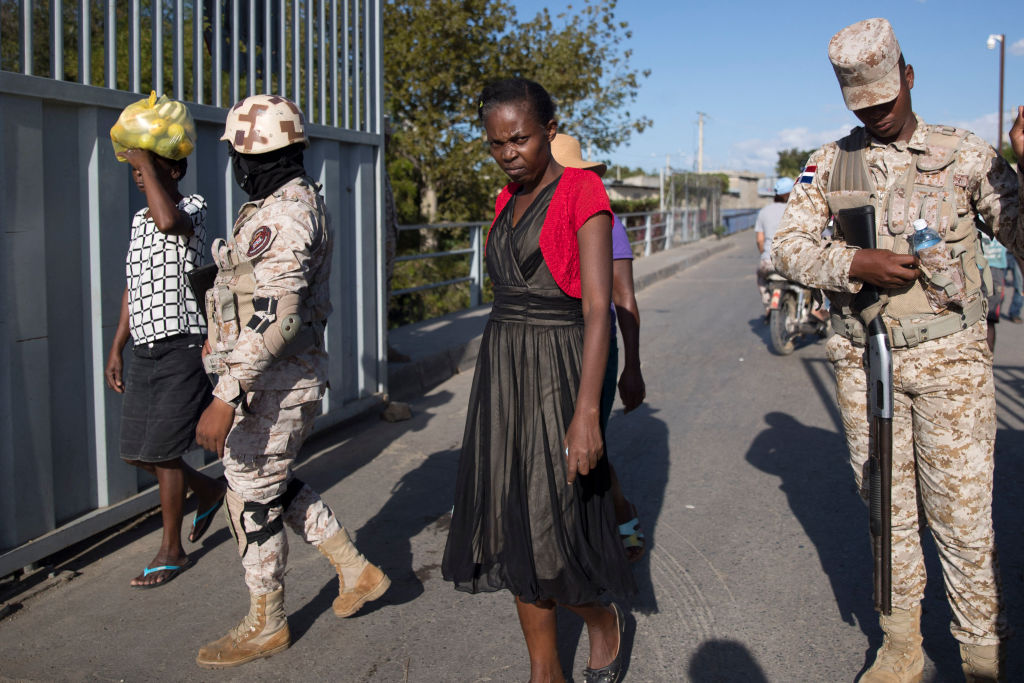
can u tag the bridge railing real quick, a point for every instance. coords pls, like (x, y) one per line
(649, 232)
(738, 220)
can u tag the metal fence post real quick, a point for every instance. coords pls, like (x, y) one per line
(647, 236)
(476, 266)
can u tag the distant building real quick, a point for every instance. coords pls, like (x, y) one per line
(637, 187)
(747, 190)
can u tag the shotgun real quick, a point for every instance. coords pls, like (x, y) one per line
(858, 227)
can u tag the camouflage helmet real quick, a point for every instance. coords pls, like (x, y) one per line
(262, 123)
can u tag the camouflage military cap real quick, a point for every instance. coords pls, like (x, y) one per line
(866, 58)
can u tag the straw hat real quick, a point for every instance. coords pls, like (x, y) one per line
(566, 151)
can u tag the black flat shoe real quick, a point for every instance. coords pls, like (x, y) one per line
(613, 672)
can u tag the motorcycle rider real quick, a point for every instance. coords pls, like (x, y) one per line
(764, 229)
(767, 223)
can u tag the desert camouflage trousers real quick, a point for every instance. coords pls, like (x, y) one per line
(258, 457)
(944, 428)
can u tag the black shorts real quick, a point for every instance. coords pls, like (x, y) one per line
(165, 392)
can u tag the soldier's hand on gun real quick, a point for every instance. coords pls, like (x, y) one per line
(883, 268)
(112, 373)
(214, 425)
(1017, 137)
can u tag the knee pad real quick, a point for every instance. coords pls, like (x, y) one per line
(277, 320)
(266, 520)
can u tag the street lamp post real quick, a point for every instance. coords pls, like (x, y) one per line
(991, 43)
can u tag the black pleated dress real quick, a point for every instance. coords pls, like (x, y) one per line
(517, 524)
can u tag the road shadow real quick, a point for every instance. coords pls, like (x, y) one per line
(724, 660)
(1008, 521)
(421, 498)
(638, 448)
(814, 473)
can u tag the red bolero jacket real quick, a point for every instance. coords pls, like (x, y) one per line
(579, 196)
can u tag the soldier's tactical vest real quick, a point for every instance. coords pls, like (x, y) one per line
(926, 191)
(229, 303)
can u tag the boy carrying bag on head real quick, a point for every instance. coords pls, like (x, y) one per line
(165, 388)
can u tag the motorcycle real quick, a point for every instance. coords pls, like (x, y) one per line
(790, 314)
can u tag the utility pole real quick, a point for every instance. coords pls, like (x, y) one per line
(700, 141)
(991, 43)
(661, 190)
(668, 175)
(672, 184)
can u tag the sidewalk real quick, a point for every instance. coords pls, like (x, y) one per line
(445, 346)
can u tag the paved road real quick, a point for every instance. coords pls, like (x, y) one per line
(759, 567)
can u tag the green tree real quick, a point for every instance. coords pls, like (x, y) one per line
(626, 172)
(1008, 154)
(438, 55)
(791, 161)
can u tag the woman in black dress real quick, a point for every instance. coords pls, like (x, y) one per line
(533, 512)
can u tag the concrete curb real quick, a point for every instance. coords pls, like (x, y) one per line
(646, 279)
(446, 346)
(406, 381)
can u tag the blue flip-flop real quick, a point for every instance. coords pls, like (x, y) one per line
(174, 570)
(201, 522)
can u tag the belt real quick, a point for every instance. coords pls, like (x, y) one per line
(905, 335)
(535, 306)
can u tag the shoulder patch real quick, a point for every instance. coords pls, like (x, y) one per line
(261, 239)
(807, 175)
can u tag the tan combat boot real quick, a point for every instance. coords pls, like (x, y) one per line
(359, 581)
(900, 659)
(262, 633)
(981, 663)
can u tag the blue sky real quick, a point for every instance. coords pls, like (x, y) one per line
(760, 71)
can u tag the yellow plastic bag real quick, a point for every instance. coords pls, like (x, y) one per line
(161, 125)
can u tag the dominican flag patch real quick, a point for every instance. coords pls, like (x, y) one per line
(807, 175)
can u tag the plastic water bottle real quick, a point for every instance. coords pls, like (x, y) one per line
(936, 265)
(924, 237)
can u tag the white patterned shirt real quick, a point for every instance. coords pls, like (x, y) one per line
(160, 302)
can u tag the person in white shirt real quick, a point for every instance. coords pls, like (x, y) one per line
(767, 223)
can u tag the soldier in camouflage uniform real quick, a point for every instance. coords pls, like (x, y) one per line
(944, 419)
(267, 310)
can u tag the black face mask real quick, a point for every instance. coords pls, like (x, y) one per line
(259, 175)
